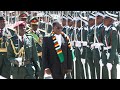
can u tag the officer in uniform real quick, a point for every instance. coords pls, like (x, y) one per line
(79, 46)
(73, 39)
(38, 35)
(39, 32)
(22, 53)
(5, 33)
(98, 42)
(82, 37)
(90, 40)
(110, 54)
(24, 17)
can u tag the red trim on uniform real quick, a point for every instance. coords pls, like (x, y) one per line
(34, 21)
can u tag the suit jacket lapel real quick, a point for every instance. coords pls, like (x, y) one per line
(62, 40)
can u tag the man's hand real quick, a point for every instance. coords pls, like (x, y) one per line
(47, 71)
(101, 63)
(109, 65)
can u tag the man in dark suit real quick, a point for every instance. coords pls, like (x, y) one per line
(57, 53)
(37, 35)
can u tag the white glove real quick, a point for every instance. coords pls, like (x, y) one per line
(19, 60)
(108, 55)
(109, 65)
(83, 61)
(96, 45)
(92, 46)
(101, 63)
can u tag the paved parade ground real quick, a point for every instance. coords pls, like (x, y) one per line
(48, 77)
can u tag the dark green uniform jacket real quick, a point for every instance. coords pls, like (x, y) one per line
(30, 69)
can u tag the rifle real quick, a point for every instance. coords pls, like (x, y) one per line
(95, 42)
(46, 23)
(75, 15)
(67, 23)
(82, 60)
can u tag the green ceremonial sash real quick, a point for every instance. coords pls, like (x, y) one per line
(35, 37)
(61, 57)
(59, 50)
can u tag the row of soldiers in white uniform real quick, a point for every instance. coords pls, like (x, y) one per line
(96, 43)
